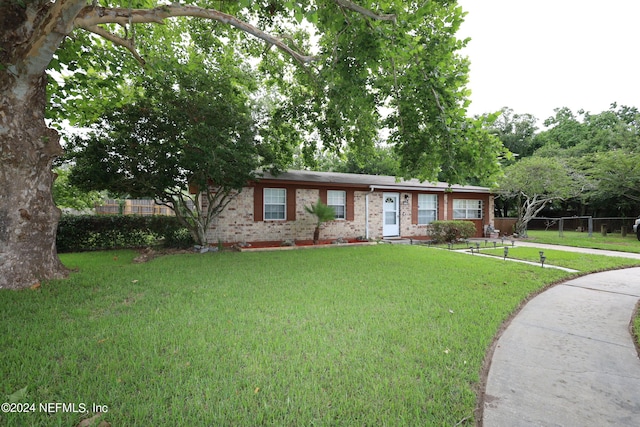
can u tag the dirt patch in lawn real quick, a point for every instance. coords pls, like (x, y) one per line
(147, 254)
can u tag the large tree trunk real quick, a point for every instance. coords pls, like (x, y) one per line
(28, 216)
(29, 36)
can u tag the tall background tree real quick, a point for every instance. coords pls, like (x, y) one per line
(375, 160)
(601, 149)
(186, 129)
(535, 182)
(366, 55)
(517, 131)
(68, 196)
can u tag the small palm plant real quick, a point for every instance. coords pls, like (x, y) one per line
(324, 213)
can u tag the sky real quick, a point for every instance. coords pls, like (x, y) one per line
(537, 55)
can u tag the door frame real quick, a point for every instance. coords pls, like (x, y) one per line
(391, 230)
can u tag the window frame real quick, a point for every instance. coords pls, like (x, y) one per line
(343, 193)
(265, 204)
(476, 208)
(433, 209)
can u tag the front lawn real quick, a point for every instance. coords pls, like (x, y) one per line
(611, 242)
(376, 335)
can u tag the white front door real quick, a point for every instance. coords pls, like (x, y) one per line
(390, 214)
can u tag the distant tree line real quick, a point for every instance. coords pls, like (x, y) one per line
(599, 154)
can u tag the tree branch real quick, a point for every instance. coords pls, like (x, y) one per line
(49, 29)
(91, 16)
(127, 43)
(365, 12)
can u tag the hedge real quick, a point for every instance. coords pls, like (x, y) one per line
(97, 232)
(452, 231)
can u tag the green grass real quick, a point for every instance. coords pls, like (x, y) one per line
(378, 335)
(612, 242)
(573, 260)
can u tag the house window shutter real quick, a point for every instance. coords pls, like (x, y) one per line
(350, 205)
(323, 195)
(414, 209)
(258, 200)
(291, 204)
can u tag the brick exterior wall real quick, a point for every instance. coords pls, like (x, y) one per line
(238, 222)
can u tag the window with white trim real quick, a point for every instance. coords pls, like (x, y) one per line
(427, 208)
(338, 201)
(275, 203)
(467, 209)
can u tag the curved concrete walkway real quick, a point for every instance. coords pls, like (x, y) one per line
(568, 357)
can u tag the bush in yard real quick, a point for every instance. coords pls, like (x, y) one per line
(91, 232)
(451, 231)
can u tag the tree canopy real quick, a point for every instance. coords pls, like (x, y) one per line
(337, 72)
(535, 182)
(70, 196)
(362, 67)
(600, 148)
(186, 129)
(516, 131)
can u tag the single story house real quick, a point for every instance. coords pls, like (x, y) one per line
(367, 206)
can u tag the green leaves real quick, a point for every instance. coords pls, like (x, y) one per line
(543, 177)
(321, 211)
(403, 77)
(184, 127)
(66, 195)
(615, 181)
(536, 181)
